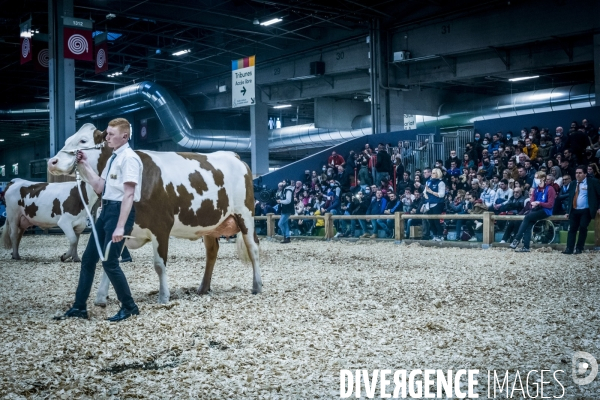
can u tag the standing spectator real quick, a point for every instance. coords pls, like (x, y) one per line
(577, 141)
(589, 157)
(542, 204)
(335, 159)
(343, 178)
(363, 173)
(399, 170)
(435, 192)
(383, 164)
(415, 208)
(287, 209)
(565, 169)
(583, 206)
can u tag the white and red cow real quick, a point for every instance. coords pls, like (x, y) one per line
(46, 205)
(185, 195)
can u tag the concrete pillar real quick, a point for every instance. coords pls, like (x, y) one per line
(259, 139)
(62, 77)
(597, 67)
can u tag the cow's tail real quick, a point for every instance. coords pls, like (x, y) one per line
(6, 236)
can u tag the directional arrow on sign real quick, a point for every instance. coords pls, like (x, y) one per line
(251, 100)
(243, 90)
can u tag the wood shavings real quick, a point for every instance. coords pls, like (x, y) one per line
(326, 306)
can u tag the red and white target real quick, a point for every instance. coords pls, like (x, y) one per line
(100, 58)
(25, 47)
(43, 58)
(77, 44)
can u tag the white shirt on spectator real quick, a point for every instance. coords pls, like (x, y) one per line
(125, 167)
(503, 195)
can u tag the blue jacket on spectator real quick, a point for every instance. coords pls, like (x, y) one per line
(454, 172)
(377, 207)
(335, 203)
(493, 146)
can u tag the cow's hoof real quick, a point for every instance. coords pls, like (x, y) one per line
(257, 290)
(76, 260)
(201, 291)
(64, 257)
(16, 258)
(163, 300)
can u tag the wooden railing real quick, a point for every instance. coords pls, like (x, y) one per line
(487, 218)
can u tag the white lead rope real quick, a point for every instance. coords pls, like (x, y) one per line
(103, 256)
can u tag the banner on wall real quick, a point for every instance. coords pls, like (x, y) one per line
(101, 57)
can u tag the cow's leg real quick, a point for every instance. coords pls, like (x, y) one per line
(161, 247)
(212, 248)
(102, 294)
(74, 253)
(66, 224)
(251, 242)
(16, 235)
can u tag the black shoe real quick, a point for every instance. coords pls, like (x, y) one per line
(124, 314)
(568, 251)
(514, 244)
(286, 240)
(73, 313)
(578, 251)
(126, 259)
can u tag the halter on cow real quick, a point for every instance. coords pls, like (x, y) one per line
(186, 195)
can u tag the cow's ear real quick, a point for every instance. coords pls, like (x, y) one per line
(99, 136)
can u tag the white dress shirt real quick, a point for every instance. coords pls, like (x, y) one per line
(125, 167)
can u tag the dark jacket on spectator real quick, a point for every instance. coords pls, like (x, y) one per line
(557, 149)
(593, 196)
(513, 204)
(384, 162)
(360, 208)
(344, 180)
(577, 142)
(399, 173)
(333, 204)
(457, 160)
(402, 185)
(393, 206)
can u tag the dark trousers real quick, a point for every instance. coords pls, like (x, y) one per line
(511, 227)
(436, 225)
(527, 225)
(578, 221)
(105, 226)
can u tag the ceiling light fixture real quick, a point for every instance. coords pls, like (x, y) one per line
(126, 68)
(181, 52)
(110, 16)
(1, 140)
(25, 134)
(282, 106)
(255, 21)
(523, 78)
(271, 21)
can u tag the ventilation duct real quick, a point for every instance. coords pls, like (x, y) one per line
(511, 105)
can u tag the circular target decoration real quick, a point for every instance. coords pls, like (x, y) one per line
(25, 47)
(43, 58)
(77, 44)
(100, 58)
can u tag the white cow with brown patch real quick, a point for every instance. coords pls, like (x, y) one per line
(186, 195)
(46, 205)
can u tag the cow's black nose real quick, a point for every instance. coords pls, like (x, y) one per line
(54, 161)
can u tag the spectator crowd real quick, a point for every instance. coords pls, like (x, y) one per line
(498, 172)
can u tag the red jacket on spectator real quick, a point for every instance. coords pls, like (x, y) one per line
(336, 160)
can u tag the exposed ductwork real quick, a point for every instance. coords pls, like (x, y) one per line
(177, 123)
(511, 105)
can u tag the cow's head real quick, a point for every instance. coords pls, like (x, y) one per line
(87, 139)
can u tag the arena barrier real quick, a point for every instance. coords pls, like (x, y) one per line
(399, 218)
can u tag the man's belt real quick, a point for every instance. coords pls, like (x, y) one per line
(108, 202)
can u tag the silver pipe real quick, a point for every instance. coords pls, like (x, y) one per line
(511, 105)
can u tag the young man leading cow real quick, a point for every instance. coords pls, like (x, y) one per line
(120, 185)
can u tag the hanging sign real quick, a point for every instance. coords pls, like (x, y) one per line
(101, 57)
(25, 50)
(41, 58)
(77, 39)
(242, 82)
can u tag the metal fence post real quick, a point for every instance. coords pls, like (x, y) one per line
(270, 226)
(488, 230)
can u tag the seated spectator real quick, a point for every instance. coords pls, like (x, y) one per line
(454, 170)
(467, 161)
(566, 169)
(452, 158)
(514, 171)
(487, 194)
(458, 206)
(487, 168)
(415, 208)
(589, 157)
(542, 205)
(360, 205)
(524, 179)
(503, 195)
(514, 206)
(376, 207)
(593, 171)
(475, 189)
(393, 205)
(407, 199)
(405, 183)
(345, 209)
